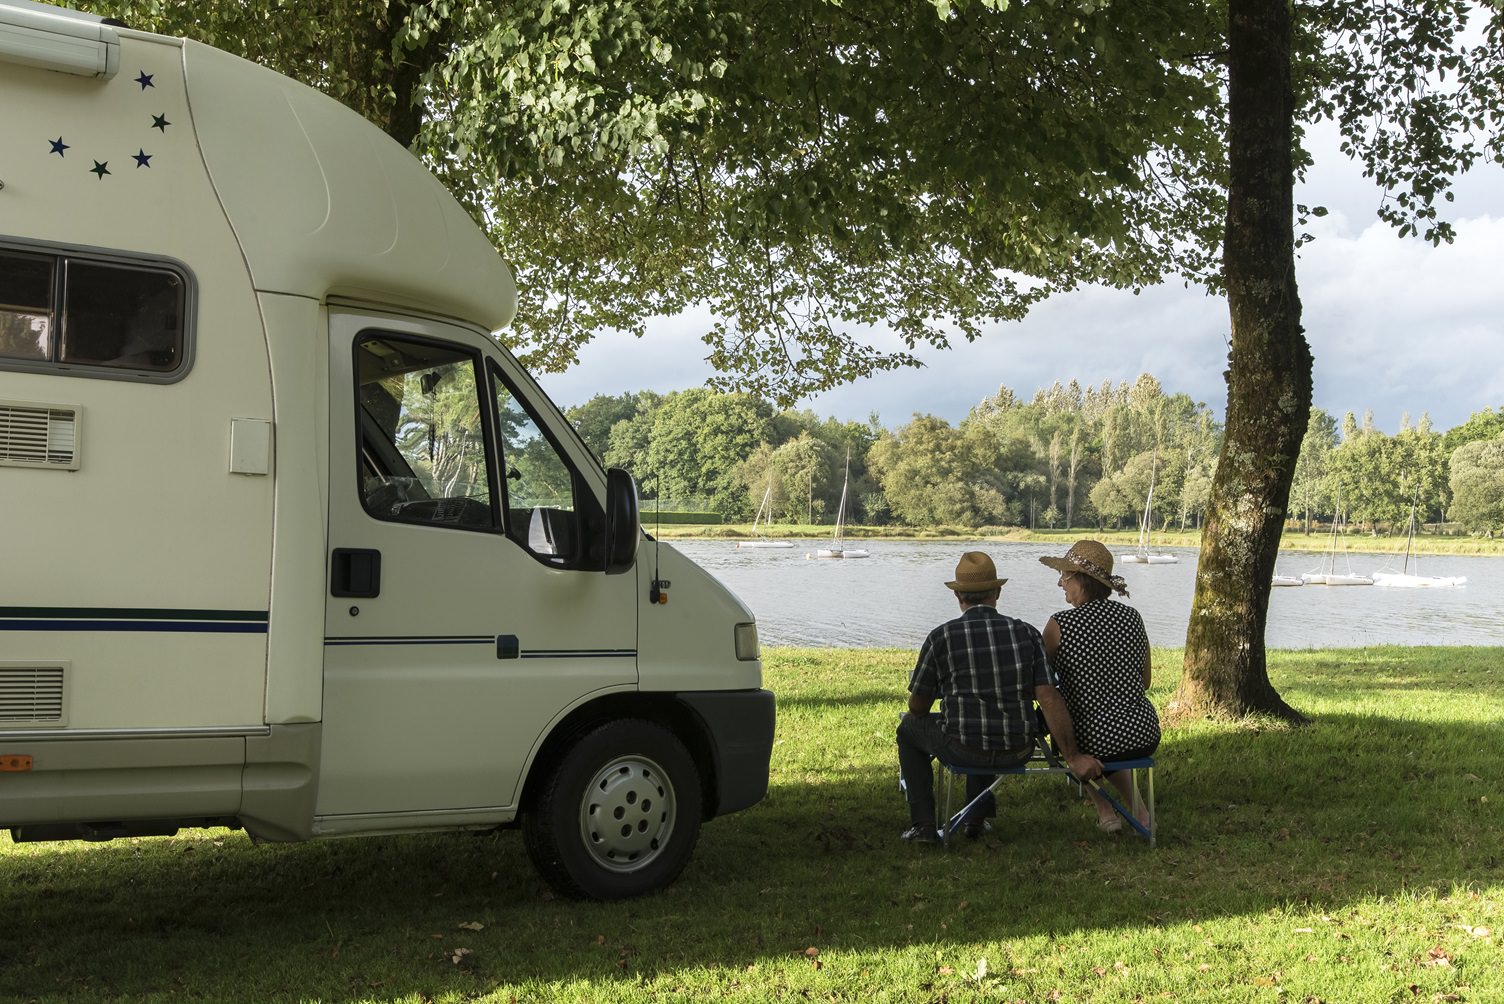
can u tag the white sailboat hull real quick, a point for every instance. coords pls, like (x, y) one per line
(1400, 580)
(840, 552)
(753, 545)
(1333, 579)
(1149, 559)
(1288, 580)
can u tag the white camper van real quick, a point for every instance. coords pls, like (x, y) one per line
(288, 542)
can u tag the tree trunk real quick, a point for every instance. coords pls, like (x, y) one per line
(1268, 382)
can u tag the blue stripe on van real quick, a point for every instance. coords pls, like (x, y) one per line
(126, 619)
(438, 639)
(490, 639)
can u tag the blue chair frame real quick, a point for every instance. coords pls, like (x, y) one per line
(1044, 761)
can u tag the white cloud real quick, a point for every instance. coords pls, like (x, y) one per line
(1397, 325)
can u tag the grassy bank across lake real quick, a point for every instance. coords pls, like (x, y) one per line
(1294, 540)
(1360, 859)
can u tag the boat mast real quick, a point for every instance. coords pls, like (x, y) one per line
(1410, 530)
(841, 509)
(1143, 526)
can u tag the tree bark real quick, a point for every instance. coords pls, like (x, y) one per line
(1268, 382)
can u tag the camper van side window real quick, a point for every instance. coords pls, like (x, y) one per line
(26, 283)
(90, 316)
(122, 316)
(539, 484)
(422, 434)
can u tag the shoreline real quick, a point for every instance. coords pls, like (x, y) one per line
(1295, 542)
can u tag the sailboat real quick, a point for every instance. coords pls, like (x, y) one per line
(758, 540)
(1404, 578)
(1143, 556)
(838, 548)
(1327, 574)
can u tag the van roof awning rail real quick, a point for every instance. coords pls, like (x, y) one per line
(52, 38)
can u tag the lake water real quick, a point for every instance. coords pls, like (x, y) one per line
(894, 597)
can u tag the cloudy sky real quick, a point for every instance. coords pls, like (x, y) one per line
(1396, 326)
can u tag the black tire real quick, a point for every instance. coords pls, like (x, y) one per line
(618, 816)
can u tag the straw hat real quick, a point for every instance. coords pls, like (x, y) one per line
(975, 573)
(1089, 557)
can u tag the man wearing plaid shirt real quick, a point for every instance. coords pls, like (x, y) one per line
(987, 669)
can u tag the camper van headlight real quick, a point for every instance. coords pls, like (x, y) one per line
(746, 641)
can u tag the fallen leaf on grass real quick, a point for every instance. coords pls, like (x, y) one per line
(1477, 932)
(1437, 957)
(1205, 967)
(1305, 930)
(811, 952)
(471, 925)
(458, 955)
(946, 971)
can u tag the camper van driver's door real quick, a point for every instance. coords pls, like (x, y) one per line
(464, 612)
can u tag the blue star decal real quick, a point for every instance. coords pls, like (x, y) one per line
(58, 146)
(160, 122)
(100, 169)
(142, 158)
(144, 79)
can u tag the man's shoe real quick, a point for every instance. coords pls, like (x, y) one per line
(919, 833)
(974, 828)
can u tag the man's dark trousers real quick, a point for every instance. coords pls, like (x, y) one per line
(920, 740)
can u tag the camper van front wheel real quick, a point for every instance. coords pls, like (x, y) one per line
(619, 815)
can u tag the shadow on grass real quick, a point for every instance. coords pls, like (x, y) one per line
(1352, 807)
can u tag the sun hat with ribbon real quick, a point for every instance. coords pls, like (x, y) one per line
(975, 573)
(1089, 557)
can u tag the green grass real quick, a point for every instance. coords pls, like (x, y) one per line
(1360, 859)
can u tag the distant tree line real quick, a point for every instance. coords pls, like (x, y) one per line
(1071, 456)
(1354, 472)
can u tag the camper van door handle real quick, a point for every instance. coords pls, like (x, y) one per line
(355, 571)
(508, 647)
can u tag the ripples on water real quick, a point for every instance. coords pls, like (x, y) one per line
(894, 597)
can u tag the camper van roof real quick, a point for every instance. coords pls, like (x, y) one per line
(324, 203)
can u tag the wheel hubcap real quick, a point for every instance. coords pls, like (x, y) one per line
(627, 813)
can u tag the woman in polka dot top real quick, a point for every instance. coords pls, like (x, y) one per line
(1100, 651)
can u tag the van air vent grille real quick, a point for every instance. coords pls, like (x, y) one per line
(31, 695)
(38, 436)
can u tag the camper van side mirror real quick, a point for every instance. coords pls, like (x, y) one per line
(622, 531)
